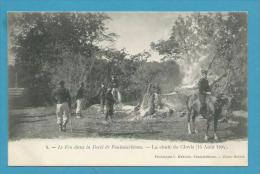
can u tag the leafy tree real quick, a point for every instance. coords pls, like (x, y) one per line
(165, 75)
(217, 42)
(55, 46)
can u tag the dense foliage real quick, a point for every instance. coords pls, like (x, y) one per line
(73, 47)
(216, 42)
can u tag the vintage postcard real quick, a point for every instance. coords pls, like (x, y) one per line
(128, 88)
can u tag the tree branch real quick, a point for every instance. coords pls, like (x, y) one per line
(216, 81)
(210, 64)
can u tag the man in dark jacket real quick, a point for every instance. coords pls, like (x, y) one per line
(204, 90)
(80, 100)
(101, 95)
(115, 89)
(63, 100)
(109, 101)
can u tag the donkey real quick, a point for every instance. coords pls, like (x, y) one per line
(215, 106)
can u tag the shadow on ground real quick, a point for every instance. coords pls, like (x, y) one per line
(41, 123)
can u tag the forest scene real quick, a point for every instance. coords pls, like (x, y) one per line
(45, 48)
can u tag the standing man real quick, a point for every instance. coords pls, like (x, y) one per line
(115, 89)
(63, 100)
(204, 90)
(79, 100)
(109, 101)
(102, 95)
(158, 98)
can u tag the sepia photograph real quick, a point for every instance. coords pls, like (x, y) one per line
(141, 84)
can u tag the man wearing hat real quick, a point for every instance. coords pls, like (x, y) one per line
(79, 100)
(204, 90)
(109, 101)
(101, 95)
(63, 100)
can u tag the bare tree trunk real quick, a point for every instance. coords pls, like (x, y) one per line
(220, 78)
(91, 66)
(210, 64)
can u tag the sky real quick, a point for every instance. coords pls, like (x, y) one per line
(137, 30)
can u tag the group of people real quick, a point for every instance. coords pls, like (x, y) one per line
(108, 96)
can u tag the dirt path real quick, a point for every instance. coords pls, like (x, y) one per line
(41, 123)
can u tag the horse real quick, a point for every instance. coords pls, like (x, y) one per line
(216, 106)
